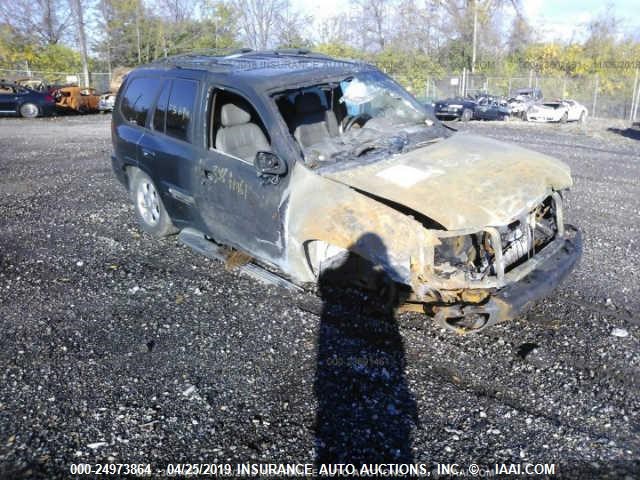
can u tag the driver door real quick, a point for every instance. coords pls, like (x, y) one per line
(237, 207)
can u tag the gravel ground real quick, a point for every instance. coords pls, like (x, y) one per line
(119, 348)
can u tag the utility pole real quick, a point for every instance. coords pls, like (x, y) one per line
(634, 97)
(475, 36)
(595, 97)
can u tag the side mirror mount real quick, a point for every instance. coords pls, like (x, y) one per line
(269, 167)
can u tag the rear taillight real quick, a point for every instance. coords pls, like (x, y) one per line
(49, 98)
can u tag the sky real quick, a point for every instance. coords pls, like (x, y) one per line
(566, 19)
(553, 19)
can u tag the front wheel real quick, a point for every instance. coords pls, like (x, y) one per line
(467, 114)
(29, 110)
(150, 212)
(564, 118)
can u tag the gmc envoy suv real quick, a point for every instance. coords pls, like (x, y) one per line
(296, 161)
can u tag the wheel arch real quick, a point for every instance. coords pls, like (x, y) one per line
(27, 101)
(322, 210)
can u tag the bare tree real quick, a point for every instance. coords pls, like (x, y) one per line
(77, 8)
(335, 29)
(175, 11)
(413, 27)
(258, 20)
(520, 36)
(46, 22)
(372, 22)
(291, 28)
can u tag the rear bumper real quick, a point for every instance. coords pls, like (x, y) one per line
(553, 265)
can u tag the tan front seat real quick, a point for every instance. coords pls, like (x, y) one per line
(238, 136)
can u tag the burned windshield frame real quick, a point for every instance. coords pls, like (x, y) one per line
(388, 87)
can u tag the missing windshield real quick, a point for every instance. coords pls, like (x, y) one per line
(350, 118)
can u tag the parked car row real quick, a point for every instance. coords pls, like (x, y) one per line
(527, 105)
(19, 99)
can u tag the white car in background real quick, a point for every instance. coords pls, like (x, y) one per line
(561, 111)
(106, 103)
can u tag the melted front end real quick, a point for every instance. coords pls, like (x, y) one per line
(472, 280)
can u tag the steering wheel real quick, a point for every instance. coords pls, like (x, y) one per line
(350, 120)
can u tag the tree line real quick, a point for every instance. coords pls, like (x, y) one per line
(414, 39)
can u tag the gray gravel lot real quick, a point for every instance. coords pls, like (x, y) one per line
(115, 347)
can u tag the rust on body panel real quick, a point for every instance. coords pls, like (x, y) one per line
(321, 209)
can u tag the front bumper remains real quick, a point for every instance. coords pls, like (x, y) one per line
(551, 266)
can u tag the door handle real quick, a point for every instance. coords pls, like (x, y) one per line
(148, 153)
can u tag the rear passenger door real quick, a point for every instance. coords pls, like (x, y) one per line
(133, 115)
(166, 149)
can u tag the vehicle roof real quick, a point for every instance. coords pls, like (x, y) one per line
(264, 69)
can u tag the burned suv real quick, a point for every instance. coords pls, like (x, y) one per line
(297, 162)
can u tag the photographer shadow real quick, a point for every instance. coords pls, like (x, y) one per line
(366, 411)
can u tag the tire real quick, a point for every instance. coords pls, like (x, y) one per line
(506, 118)
(467, 114)
(564, 118)
(581, 118)
(150, 212)
(29, 110)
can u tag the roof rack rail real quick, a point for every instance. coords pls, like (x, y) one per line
(241, 59)
(292, 51)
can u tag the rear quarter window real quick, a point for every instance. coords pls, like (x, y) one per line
(138, 98)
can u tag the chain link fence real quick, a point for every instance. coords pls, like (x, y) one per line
(616, 98)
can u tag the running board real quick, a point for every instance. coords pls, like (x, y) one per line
(198, 242)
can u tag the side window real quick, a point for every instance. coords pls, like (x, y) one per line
(179, 112)
(160, 114)
(138, 99)
(236, 127)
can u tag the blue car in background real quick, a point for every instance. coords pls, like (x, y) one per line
(456, 108)
(20, 101)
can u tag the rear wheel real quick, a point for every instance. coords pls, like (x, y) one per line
(581, 119)
(150, 211)
(29, 110)
(564, 118)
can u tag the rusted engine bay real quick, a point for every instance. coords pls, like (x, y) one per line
(474, 255)
(468, 269)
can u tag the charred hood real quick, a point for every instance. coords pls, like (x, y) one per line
(463, 182)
